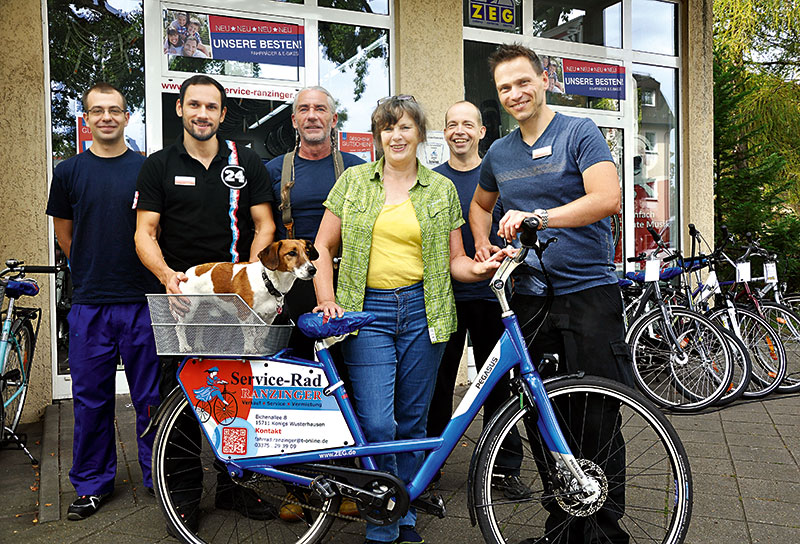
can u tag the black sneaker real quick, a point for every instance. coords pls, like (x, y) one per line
(512, 487)
(245, 501)
(85, 505)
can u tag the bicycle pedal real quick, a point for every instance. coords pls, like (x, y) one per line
(431, 503)
(323, 488)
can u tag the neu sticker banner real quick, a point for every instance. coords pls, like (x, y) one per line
(263, 42)
(594, 79)
(263, 408)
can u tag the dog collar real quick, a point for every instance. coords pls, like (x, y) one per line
(273, 290)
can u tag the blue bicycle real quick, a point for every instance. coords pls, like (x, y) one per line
(17, 343)
(624, 479)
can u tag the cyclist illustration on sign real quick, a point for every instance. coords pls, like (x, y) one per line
(212, 400)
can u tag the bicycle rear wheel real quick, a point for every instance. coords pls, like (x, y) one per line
(189, 485)
(688, 381)
(766, 350)
(641, 463)
(787, 324)
(18, 358)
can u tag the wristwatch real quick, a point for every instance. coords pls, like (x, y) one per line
(544, 216)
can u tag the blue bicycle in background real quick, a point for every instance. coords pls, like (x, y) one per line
(17, 343)
(295, 423)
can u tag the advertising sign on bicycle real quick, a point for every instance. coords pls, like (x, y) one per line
(255, 409)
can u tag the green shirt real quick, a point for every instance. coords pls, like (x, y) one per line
(357, 199)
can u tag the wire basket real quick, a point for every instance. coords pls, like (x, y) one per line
(212, 325)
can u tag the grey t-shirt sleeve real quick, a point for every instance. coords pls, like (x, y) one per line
(590, 145)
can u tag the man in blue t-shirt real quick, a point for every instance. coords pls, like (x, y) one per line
(301, 181)
(477, 309)
(560, 170)
(92, 201)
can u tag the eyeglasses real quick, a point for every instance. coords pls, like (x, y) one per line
(398, 98)
(99, 112)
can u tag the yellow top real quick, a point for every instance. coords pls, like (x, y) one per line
(395, 258)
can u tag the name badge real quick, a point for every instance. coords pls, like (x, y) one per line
(187, 181)
(542, 152)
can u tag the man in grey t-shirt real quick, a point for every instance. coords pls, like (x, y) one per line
(559, 169)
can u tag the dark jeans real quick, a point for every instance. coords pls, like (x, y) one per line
(482, 319)
(586, 330)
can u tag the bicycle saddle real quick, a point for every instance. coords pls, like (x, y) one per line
(315, 326)
(15, 289)
(664, 275)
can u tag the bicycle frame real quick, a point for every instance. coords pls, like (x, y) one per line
(509, 352)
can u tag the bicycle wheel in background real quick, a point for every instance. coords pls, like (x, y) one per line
(763, 344)
(641, 465)
(188, 485)
(787, 324)
(683, 382)
(18, 363)
(792, 300)
(742, 369)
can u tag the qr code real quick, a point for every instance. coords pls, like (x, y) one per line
(234, 441)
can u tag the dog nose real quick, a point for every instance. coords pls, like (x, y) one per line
(312, 270)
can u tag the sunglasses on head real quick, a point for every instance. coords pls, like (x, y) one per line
(398, 98)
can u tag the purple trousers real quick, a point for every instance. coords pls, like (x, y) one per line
(98, 336)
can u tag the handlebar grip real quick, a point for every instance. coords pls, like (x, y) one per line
(654, 233)
(692, 230)
(749, 236)
(528, 236)
(37, 269)
(670, 258)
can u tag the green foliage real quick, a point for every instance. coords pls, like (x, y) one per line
(750, 181)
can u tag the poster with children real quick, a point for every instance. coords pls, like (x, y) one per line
(187, 34)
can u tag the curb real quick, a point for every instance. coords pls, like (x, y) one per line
(49, 485)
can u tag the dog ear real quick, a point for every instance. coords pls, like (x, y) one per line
(313, 255)
(269, 255)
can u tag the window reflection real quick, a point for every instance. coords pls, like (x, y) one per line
(598, 23)
(614, 139)
(653, 26)
(655, 180)
(379, 7)
(354, 67)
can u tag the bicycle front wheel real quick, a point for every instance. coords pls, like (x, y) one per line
(191, 488)
(18, 358)
(686, 379)
(629, 448)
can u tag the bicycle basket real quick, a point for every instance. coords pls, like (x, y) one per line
(221, 324)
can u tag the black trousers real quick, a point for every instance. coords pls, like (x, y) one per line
(587, 331)
(481, 318)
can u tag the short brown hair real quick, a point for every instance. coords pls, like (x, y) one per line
(389, 112)
(102, 87)
(508, 52)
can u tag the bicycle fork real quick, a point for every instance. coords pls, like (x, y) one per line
(584, 488)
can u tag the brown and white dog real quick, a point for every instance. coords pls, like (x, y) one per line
(262, 283)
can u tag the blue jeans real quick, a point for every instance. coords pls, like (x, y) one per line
(393, 366)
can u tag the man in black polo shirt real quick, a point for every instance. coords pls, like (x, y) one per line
(211, 202)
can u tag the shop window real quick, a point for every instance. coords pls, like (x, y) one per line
(653, 26)
(378, 7)
(655, 178)
(597, 23)
(90, 43)
(354, 67)
(503, 15)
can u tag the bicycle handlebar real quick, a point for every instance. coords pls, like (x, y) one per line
(20, 268)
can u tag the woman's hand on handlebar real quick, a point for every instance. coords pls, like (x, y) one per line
(487, 267)
(329, 309)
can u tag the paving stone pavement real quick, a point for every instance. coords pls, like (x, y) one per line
(744, 462)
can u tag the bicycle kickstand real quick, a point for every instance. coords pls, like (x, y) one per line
(8, 435)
